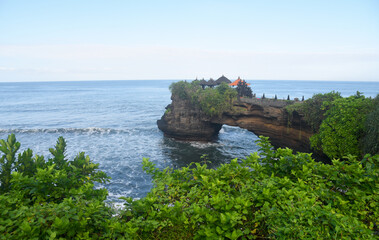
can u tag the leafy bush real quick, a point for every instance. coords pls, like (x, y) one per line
(50, 199)
(342, 129)
(341, 125)
(275, 195)
(212, 101)
(314, 109)
(184, 89)
(371, 128)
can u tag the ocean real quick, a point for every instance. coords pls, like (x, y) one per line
(114, 122)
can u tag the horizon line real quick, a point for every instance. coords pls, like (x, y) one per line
(182, 79)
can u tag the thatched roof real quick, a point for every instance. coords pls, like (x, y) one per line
(211, 82)
(203, 82)
(222, 79)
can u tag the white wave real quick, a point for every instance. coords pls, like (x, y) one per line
(203, 145)
(89, 130)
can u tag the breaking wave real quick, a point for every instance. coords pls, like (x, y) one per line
(90, 130)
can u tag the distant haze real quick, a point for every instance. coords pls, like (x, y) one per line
(121, 40)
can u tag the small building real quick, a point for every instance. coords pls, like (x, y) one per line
(211, 83)
(235, 83)
(223, 79)
(203, 83)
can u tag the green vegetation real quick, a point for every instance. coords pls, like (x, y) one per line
(342, 126)
(313, 109)
(342, 130)
(48, 199)
(276, 194)
(371, 127)
(244, 90)
(212, 101)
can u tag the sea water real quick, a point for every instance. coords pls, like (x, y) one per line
(114, 122)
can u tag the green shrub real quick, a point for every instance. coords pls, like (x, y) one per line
(212, 101)
(184, 89)
(8, 161)
(371, 130)
(312, 109)
(51, 199)
(341, 125)
(342, 130)
(275, 195)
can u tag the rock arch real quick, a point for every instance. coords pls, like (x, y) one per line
(265, 117)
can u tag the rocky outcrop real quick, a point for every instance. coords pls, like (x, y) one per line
(184, 121)
(266, 117)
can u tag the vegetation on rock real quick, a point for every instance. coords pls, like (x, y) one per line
(212, 101)
(312, 109)
(342, 126)
(342, 130)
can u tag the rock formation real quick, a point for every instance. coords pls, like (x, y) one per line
(266, 117)
(184, 121)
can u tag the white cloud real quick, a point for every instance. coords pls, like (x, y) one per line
(6, 69)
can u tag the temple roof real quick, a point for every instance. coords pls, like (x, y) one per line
(222, 79)
(203, 82)
(211, 82)
(235, 83)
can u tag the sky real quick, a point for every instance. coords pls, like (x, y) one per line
(131, 40)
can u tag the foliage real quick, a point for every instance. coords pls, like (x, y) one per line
(212, 101)
(343, 127)
(183, 89)
(7, 161)
(50, 199)
(313, 109)
(275, 195)
(371, 128)
(244, 90)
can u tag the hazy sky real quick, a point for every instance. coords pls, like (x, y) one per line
(266, 39)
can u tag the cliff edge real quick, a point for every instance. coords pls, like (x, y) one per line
(185, 121)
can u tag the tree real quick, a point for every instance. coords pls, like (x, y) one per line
(342, 129)
(371, 138)
(212, 101)
(313, 109)
(244, 90)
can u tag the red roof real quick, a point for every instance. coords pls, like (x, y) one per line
(235, 83)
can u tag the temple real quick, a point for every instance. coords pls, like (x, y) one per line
(211, 83)
(238, 81)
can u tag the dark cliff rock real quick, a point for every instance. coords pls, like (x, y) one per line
(271, 120)
(264, 117)
(184, 121)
